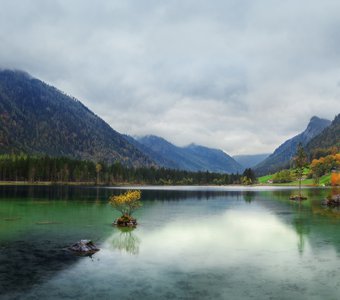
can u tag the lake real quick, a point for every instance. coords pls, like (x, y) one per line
(191, 243)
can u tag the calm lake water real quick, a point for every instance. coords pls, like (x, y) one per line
(192, 243)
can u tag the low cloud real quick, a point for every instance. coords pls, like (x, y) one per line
(237, 75)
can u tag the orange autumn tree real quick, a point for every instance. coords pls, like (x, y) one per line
(325, 165)
(335, 178)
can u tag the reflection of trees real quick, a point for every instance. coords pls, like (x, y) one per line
(126, 240)
(302, 229)
(248, 196)
(56, 192)
(318, 209)
(178, 195)
(334, 191)
(102, 194)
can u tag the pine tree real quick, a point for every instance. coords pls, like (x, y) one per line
(300, 162)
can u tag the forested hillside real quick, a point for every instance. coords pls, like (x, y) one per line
(36, 118)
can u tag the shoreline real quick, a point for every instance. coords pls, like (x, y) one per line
(93, 184)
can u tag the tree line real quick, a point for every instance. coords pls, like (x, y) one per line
(64, 170)
(321, 162)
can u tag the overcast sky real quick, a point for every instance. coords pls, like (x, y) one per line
(240, 75)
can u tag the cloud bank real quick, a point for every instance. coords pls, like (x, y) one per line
(240, 75)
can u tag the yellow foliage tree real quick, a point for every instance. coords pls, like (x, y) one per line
(300, 162)
(99, 167)
(126, 203)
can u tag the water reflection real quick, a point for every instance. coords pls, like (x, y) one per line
(334, 191)
(302, 229)
(229, 238)
(233, 254)
(241, 235)
(318, 197)
(207, 245)
(248, 196)
(25, 264)
(125, 240)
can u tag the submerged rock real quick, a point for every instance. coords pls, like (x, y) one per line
(12, 219)
(297, 198)
(332, 201)
(84, 247)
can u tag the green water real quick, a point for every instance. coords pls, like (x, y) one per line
(192, 243)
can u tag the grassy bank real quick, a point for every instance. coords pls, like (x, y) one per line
(324, 180)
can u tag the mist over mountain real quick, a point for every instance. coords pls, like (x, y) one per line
(282, 156)
(36, 118)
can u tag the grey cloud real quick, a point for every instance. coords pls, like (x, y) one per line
(239, 75)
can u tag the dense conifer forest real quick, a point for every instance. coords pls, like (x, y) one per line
(65, 170)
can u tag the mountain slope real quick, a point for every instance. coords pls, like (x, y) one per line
(159, 159)
(284, 153)
(327, 138)
(36, 118)
(191, 158)
(249, 161)
(214, 159)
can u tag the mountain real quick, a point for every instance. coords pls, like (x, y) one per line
(214, 160)
(36, 118)
(282, 156)
(191, 158)
(327, 138)
(249, 161)
(159, 159)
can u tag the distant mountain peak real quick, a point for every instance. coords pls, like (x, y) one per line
(192, 145)
(192, 157)
(196, 146)
(329, 137)
(282, 155)
(151, 137)
(17, 72)
(250, 160)
(336, 119)
(314, 126)
(315, 120)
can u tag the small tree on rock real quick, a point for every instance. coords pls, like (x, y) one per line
(126, 204)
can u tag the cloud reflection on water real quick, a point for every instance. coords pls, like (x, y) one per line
(217, 241)
(234, 252)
